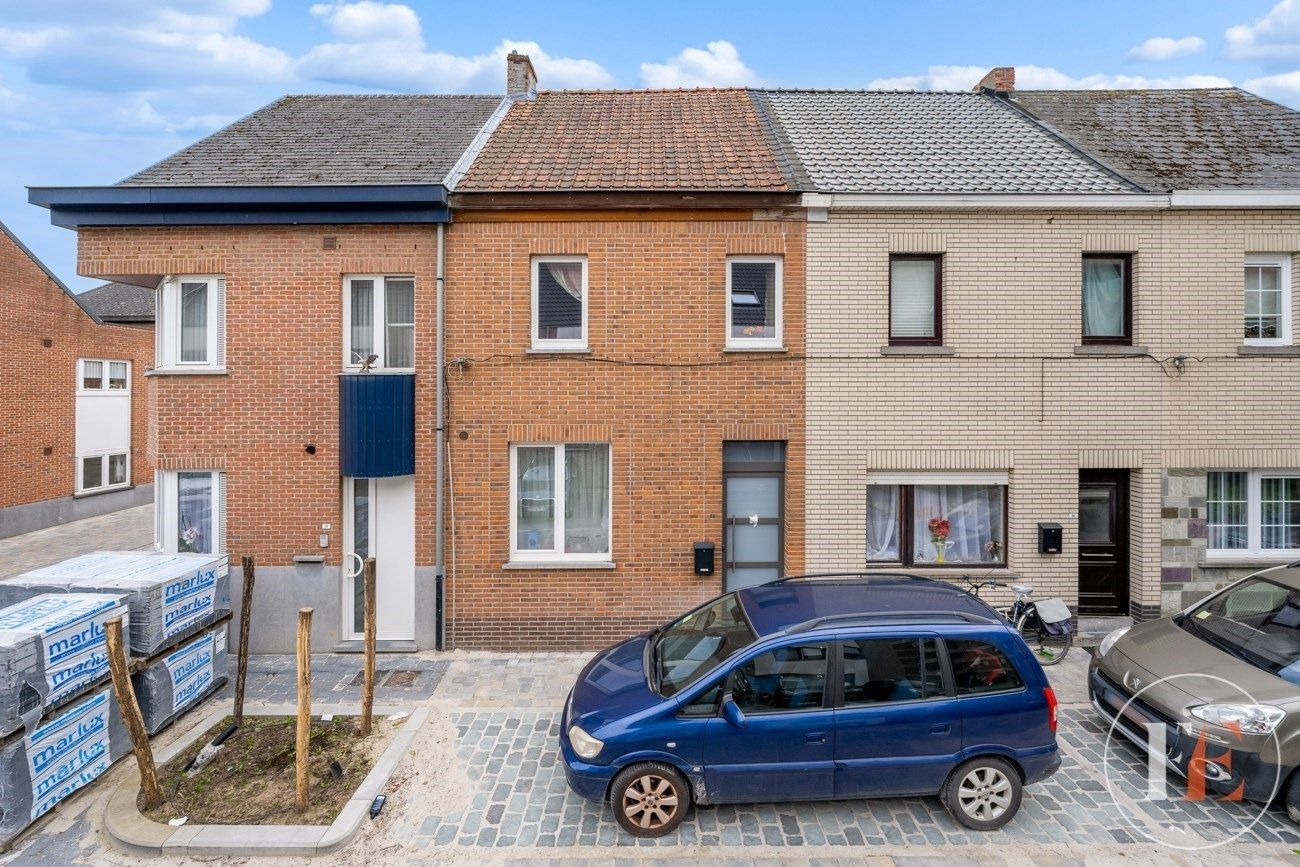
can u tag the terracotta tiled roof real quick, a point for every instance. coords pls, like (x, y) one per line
(707, 139)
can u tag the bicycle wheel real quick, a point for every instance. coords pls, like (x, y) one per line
(1049, 649)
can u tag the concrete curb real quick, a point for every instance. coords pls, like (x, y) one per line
(131, 832)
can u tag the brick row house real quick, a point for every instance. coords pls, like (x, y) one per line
(72, 443)
(691, 340)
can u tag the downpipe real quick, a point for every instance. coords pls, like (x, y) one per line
(439, 568)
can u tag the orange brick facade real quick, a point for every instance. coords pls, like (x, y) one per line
(42, 334)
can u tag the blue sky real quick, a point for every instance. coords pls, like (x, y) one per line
(92, 90)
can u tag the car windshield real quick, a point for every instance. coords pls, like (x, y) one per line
(1256, 621)
(688, 649)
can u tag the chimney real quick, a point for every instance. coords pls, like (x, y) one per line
(521, 79)
(999, 79)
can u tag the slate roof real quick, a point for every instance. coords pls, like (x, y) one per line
(1179, 139)
(119, 302)
(645, 140)
(844, 141)
(304, 140)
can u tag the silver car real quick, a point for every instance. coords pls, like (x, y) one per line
(1215, 689)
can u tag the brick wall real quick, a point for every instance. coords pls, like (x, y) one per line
(38, 382)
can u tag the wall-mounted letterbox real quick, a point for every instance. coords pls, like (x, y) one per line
(1049, 537)
(703, 558)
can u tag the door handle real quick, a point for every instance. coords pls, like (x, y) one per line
(360, 563)
(940, 728)
(1106, 556)
(816, 738)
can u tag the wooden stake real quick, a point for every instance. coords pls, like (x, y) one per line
(304, 706)
(126, 703)
(245, 613)
(368, 691)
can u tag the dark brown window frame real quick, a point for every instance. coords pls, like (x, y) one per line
(937, 339)
(907, 527)
(1125, 339)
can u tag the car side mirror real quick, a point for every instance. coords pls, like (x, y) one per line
(732, 713)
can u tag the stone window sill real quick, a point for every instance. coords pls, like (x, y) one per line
(558, 564)
(742, 349)
(950, 573)
(917, 350)
(1111, 351)
(96, 492)
(1268, 350)
(547, 350)
(1245, 562)
(187, 371)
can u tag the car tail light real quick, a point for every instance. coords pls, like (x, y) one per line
(1051, 708)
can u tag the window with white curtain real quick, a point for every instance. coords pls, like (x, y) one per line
(754, 302)
(559, 302)
(915, 300)
(1107, 299)
(379, 321)
(931, 520)
(1267, 300)
(1253, 512)
(561, 501)
(189, 508)
(190, 332)
(99, 374)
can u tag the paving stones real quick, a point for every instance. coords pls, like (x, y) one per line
(337, 678)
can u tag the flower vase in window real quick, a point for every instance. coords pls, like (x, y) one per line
(939, 529)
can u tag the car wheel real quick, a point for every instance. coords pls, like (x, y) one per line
(1293, 798)
(650, 800)
(983, 794)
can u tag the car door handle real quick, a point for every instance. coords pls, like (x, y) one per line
(816, 738)
(940, 728)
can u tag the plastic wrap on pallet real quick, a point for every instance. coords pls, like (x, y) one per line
(52, 647)
(170, 594)
(65, 752)
(172, 684)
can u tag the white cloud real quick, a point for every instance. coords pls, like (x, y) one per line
(1039, 78)
(1166, 48)
(1273, 38)
(367, 21)
(1284, 87)
(718, 66)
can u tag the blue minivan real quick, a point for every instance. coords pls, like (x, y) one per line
(814, 687)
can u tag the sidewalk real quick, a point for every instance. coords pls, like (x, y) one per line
(127, 530)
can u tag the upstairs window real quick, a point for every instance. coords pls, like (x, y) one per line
(559, 303)
(1268, 300)
(191, 324)
(754, 302)
(1107, 300)
(98, 375)
(916, 300)
(379, 321)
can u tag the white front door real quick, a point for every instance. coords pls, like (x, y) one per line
(379, 522)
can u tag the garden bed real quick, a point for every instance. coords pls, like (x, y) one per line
(250, 781)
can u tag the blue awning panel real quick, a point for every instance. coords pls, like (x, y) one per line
(376, 425)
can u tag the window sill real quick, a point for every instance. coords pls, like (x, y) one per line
(558, 350)
(978, 571)
(1246, 561)
(558, 564)
(917, 350)
(187, 371)
(95, 492)
(1113, 350)
(378, 371)
(734, 349)
(1268, 350)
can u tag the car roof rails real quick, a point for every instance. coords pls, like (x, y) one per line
(904, 618)
(847, 576)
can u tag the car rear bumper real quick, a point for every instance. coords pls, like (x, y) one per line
(1040, 765)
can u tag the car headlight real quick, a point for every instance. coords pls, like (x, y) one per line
(1254, 719)
(584, 744)
(1109, 641)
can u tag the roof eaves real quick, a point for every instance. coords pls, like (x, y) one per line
(783, 149)
(55, 277)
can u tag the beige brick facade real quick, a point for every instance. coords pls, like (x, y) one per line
(1016, 395)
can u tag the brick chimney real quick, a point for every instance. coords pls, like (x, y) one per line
(999, 79)
(521, 78)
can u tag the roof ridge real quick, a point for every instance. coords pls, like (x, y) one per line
(288, 96)
(648, 90)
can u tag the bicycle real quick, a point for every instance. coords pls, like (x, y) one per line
(1050, 646)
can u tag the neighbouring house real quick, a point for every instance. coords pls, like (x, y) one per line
(72, 444)
(121, 303)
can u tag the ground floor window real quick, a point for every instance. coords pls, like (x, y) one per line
(1253, 512)
(932, 520)
(189, 511)
(561, 501)
(101, 472)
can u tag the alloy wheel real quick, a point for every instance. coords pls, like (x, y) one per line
(650, 801)
(984, 794)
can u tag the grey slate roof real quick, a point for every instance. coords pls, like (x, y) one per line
(119, 302)
(302, 140)
(1179, 139)
(839, 141)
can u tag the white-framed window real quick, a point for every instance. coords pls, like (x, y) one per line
(95, 375)
(1253, 513)
(937, 519)
(189, 511)
(191, 327)
(754, 302)
(103, 471)
(1267, 300)
(379, 321)
(559, 305)
(560, 497)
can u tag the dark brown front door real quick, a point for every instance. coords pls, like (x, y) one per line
(1103, 542)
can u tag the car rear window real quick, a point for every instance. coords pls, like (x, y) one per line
(979, 667)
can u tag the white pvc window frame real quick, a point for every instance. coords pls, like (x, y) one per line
(773, 341)
(1254, 549)
(551, 344)
(167, 509)
(557, 554)
(1281, 261)
(378, 322)
(103, 484)
(168, 335)
(106, 375)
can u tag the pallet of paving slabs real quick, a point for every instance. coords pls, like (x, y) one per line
(66, 751)
(169, 594)
(172, 683)
(52, 649)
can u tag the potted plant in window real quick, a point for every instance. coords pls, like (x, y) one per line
(939, 529)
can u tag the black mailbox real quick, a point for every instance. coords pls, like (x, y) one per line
(1049, 537)
(703, 558)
